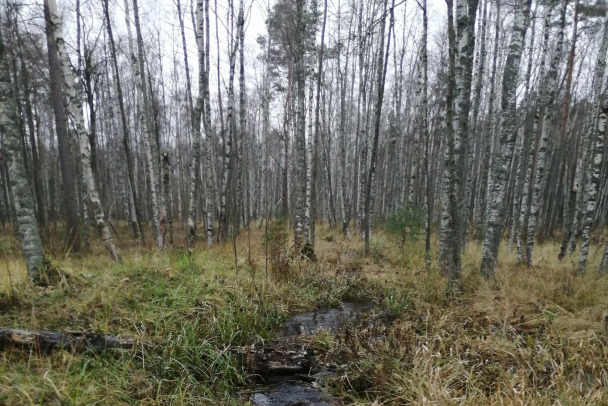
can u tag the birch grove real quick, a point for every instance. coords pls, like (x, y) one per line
(468, 122)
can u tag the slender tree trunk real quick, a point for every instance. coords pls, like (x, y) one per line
(31, 246)
(195, 115)
(227, 173)
(313, 182)
(343, 74)
(451, 259)
(37, 170)
(541, 160)
(570, 201)
(300, 138)
(240, 165)
(75, 106)
(138, 226)
(500, 170)
(210, 178)
(145, 107)
(65, 163)
(578, 188)
(380, 80)
(596, 152)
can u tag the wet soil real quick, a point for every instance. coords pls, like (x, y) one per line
(292, 376)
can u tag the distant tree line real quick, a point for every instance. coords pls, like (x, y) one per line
(490, 122)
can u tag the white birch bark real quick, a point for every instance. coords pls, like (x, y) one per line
(209, 158)
(300, 136)
(229, 138)
(195, 114)
(145, 108)
(592, 189)
(595, 157)
(380, 81)
(464, 42)
(75, 108)
(27, 227)
(343, 74)
(500, 170)
(524, 211)
(583, 161)
(541, 158)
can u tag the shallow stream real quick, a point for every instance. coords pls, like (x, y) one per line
(299, 390)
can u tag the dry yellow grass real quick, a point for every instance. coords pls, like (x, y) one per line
(532, 336)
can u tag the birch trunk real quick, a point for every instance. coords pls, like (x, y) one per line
(541, 160)
(343, 74)
(582, 163)
(595, 151)
(195, 116)
(464, 50)
(524, 212)
(300, 138)
(145, 108)
(450, 259)
(75, 107)
(500, 170)
(31, 246)
(240, 165)
(210, 178)
(167, 216)
(69, 200)
(125, 126)
(380, 80)
(313, 169)
(592, 189)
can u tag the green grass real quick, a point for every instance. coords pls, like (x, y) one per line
(532, 336)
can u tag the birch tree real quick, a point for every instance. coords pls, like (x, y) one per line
(69, 199)
(380, 81)
(541, 159)
(137, 62)
(27, 228)
(75, 107)
(508, 134)
(125, 124)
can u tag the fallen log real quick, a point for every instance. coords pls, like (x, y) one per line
(45, 341)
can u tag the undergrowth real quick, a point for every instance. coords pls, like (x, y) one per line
(531, 336)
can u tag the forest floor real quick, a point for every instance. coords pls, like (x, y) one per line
(533, 336)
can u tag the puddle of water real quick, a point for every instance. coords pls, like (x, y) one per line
(327, 319)
(286, 391)
(293, 394)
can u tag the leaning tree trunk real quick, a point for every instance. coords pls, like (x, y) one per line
(500, 170)
(31, 246)
(541, 160)
(75, 107)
